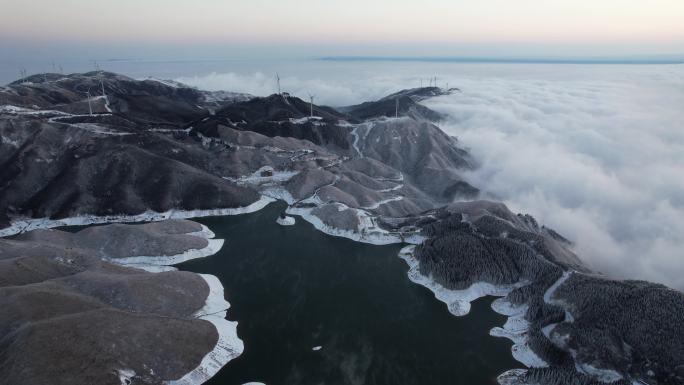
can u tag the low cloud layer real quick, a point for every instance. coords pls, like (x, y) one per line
(595, 152)
(327, 91)
(600, 161)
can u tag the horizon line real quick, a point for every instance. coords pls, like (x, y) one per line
(626, 59)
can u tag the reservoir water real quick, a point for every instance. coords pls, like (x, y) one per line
(293, 289)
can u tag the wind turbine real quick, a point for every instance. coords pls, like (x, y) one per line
(311, 98)
(104, 95)
(90, 108)
(278, 81)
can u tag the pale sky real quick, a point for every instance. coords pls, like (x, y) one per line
(40, 30)
(348, 21)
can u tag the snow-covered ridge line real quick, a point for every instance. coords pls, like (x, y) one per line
(166, 82)
(25, 225)
(228, 346)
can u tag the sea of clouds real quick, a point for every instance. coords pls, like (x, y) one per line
(593, 151)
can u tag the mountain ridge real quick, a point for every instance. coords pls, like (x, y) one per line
(151, 149)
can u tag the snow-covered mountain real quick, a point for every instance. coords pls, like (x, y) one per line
(101, 147)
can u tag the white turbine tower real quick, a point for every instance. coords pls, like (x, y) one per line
(104, 96)
(90, 108)
(278, 82)
(311, 98)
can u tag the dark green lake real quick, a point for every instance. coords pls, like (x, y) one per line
(293, 288)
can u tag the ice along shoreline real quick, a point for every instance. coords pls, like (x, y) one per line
(228, 345)
(24, 225)
(459, 302)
